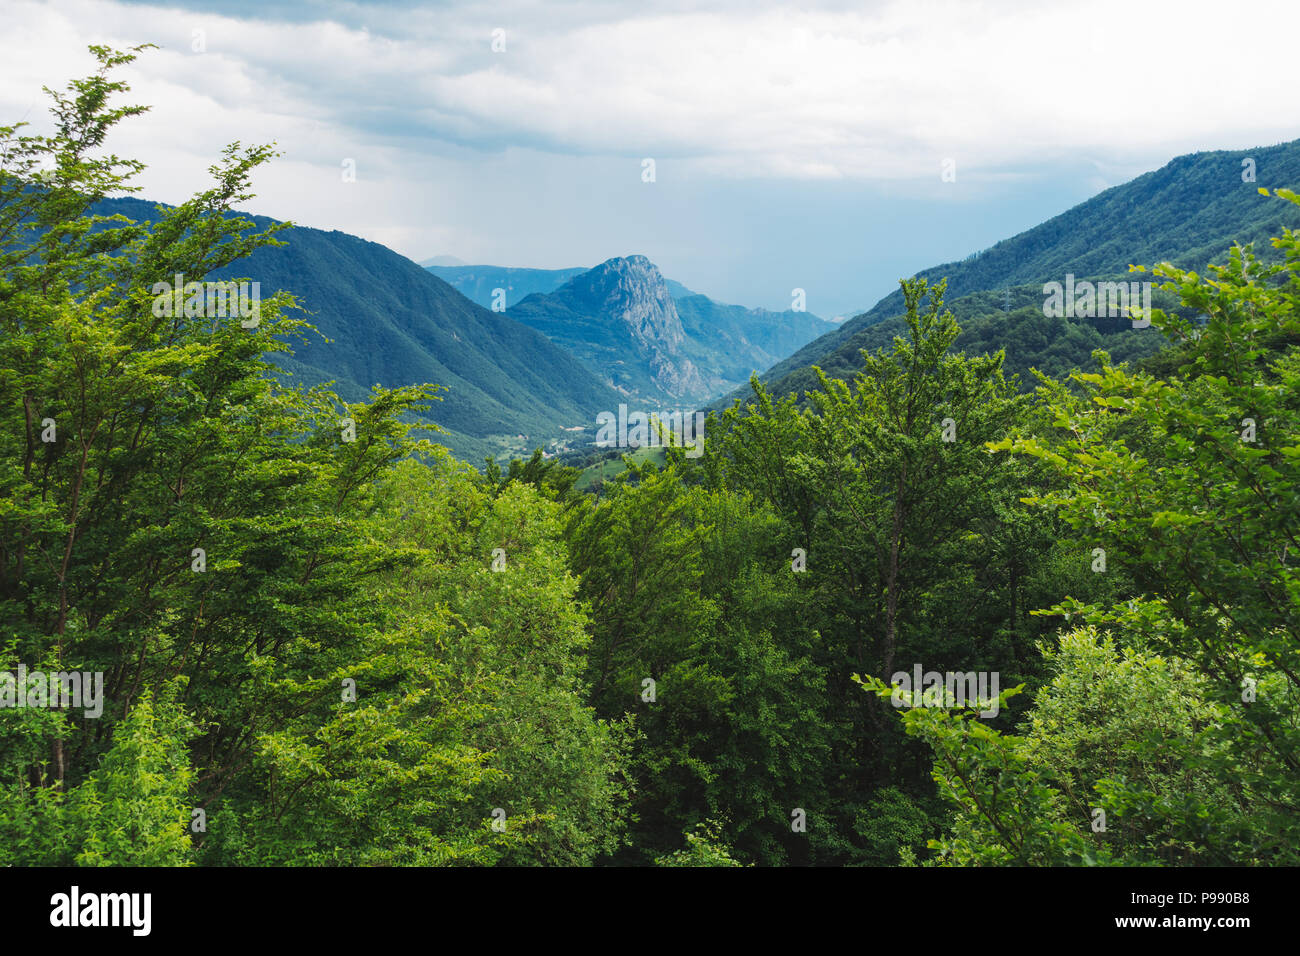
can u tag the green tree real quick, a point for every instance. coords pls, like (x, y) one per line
(916, 546)
(697, 632)
(705, 847)
(1187, 484)
(134, 809)
(1109, 724)
(172, 516)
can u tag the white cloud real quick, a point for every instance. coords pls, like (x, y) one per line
(883, 92)
(726, 92)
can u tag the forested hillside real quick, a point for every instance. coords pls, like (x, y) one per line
(1010, 320)
(320, 639)
(383, 320)
(1187, 213)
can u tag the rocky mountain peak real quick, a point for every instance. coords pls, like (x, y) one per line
(632, 289)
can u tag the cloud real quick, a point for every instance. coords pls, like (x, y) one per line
(881, 92)
(461, 149)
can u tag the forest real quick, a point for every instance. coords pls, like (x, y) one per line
(325, 640)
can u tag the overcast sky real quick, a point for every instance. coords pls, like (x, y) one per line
(795, 145)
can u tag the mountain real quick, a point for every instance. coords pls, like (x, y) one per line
(730, 342)
(624, 320)
(443, 261)
(479, 283)
(1009, 319)
(619, 318)
(1188, 212)
(387, 321)
(725, 342)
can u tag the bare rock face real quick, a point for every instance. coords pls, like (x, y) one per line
(632, 290)
(620, 318)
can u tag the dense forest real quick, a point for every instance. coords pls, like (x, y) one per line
(325, 640)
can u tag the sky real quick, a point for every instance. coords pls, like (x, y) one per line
(833, 147)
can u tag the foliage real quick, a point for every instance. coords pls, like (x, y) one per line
(1185, 729)
(704, 847)
(348, 684)
(325, 641)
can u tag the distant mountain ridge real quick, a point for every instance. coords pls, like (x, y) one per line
(479, 283)
(619, 318)
(628, 323)
(731, 342)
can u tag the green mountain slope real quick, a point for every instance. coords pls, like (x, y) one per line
(730, 342)
(1188, 212)
(390, 322)
(990, 320)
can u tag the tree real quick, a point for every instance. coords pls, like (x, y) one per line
(915, 545)
(173, 516)
(1189, 484)
(134, 809)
